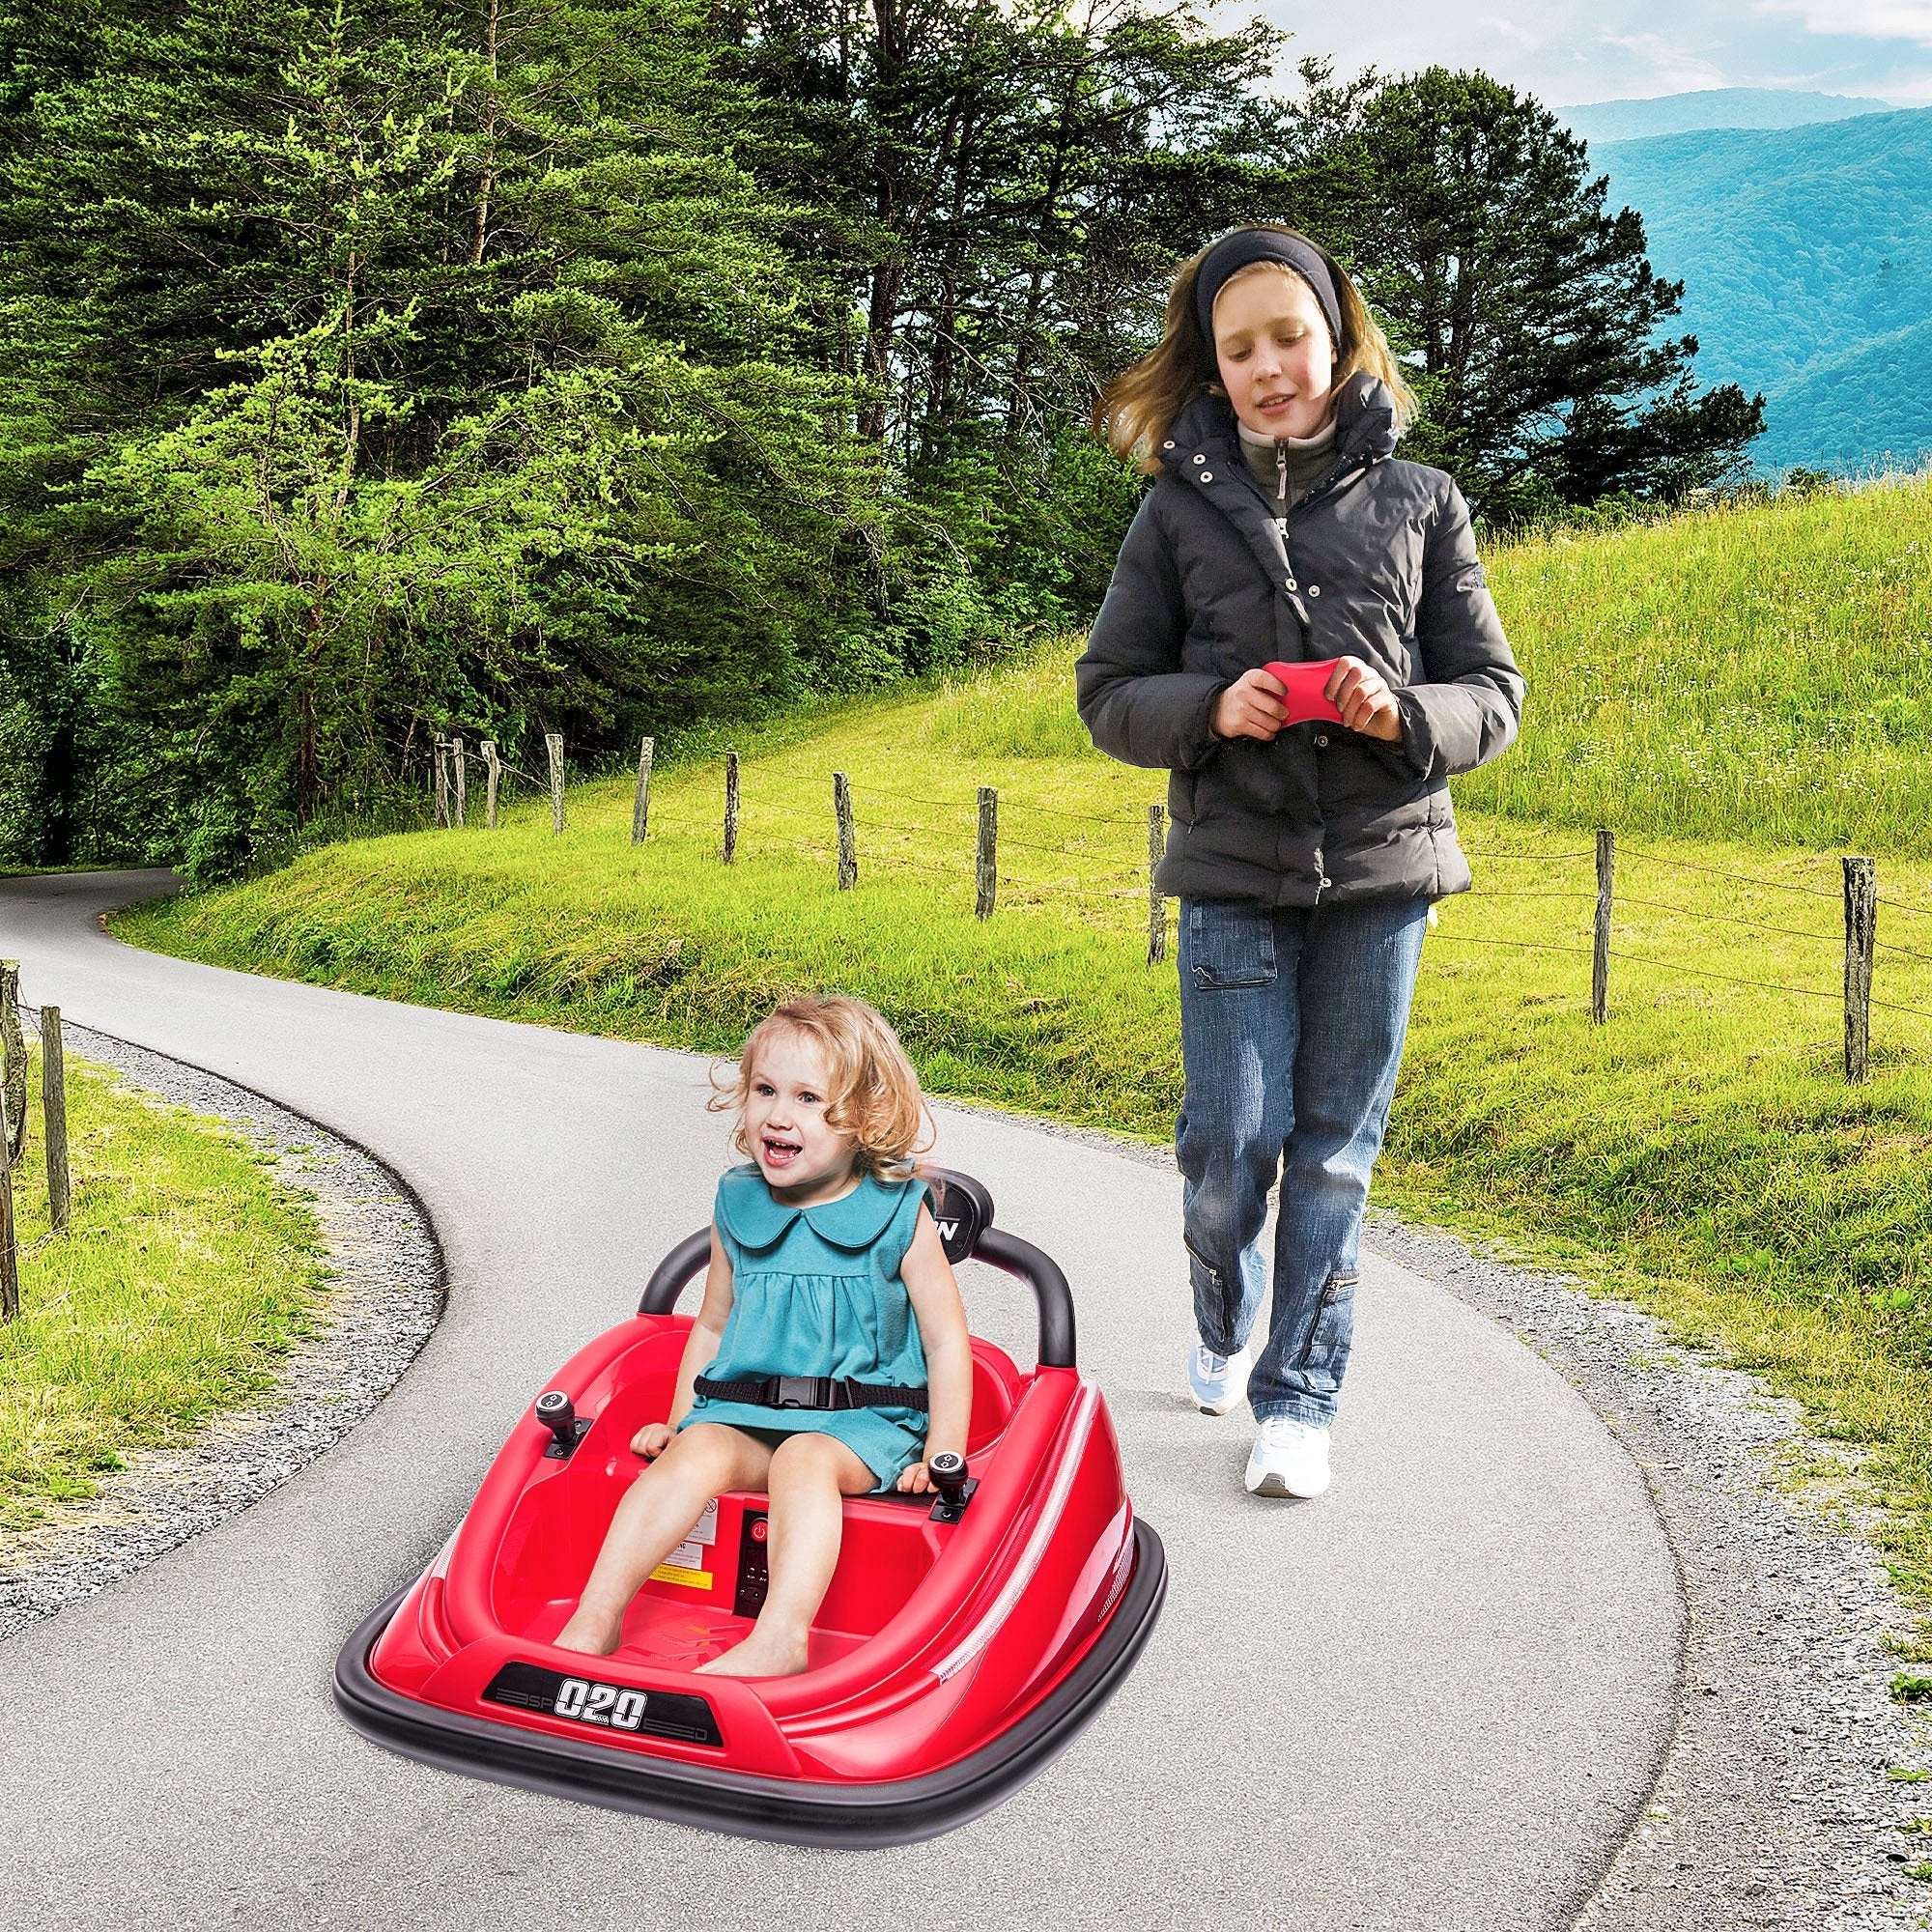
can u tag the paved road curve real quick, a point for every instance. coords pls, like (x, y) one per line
(1432, 1701)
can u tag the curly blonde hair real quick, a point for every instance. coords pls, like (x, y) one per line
(1139, 406)
(872, 1093)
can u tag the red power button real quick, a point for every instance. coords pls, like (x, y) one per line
(758, 1531)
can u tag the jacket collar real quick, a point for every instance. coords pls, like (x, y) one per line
(1203, 454)
(757, 1219)
(1365, 430)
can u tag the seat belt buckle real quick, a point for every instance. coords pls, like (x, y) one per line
(803, 1392)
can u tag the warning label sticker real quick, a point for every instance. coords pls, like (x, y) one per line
(678, 1573)
(685, 1565)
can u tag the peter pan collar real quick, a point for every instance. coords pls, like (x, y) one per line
(757, 1219)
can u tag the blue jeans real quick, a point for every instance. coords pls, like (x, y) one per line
(1291, 1025)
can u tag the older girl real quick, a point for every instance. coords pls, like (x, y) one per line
(1306, 855)
(825, 1263)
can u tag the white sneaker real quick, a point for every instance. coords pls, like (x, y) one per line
(1289, 1459)
(1219, 1381)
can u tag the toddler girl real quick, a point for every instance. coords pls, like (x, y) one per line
(825, 1262)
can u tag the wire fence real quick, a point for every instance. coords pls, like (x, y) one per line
(1110, 858)
(14, 1128)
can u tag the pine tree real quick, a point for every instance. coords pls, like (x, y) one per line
(1533, 316)
(1002, 193)
(380, 370)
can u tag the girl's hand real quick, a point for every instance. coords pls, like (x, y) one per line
(1361, 695)
(915, 1482)
(652, 1441)
(1252, 706)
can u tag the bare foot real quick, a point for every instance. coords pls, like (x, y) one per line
(760, 1654)
(590, 1631)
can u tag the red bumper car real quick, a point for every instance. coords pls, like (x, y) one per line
(965, 1643)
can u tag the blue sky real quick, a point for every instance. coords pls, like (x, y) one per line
(1568, 51)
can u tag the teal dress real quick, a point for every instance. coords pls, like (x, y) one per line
(816, 1291)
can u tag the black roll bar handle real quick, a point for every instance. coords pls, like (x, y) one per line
(1051, 1293)
(978, 1238)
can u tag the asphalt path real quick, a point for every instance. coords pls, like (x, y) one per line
(1436, 1699)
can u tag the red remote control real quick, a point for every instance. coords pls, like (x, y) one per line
(1303, 685)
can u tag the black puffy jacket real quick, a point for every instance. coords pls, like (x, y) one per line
(1378, 563)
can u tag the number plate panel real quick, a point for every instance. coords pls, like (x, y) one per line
(621, 1708)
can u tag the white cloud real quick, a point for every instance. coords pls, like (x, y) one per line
(1859, 19)
(1578, 50)
(1668, 65)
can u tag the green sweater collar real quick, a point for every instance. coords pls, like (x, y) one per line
(1286, 467)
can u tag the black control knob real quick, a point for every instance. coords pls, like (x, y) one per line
(559, 1415)
(949, 1477)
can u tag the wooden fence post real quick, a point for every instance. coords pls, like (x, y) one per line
(460, 759)
(440, 749)
(13, 1060)
(849, 840)
(640, 805)
(553, 745)
(493, 767)
(53, 1111)
(986, 859)
(9, 1247)
(730, 852)
(1861, 932)
(1600, 963)
(1156, 905)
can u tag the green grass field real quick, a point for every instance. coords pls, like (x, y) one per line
(185, 1274)
(1701, 1152)
(1758, 672)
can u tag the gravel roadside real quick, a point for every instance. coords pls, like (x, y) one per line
(1774, 1808)
(385, 1296)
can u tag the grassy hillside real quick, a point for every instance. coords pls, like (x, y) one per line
(1759, 673)
(1711, 685)
(1798, 247)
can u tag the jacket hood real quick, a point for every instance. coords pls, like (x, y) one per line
(1365, 426)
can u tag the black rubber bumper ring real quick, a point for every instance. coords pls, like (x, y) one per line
(783, 1810)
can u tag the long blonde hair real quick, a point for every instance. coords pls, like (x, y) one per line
(872, 1093)
(1138, 407)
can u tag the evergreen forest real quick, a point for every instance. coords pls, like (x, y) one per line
(1808, 278)
(373, 370)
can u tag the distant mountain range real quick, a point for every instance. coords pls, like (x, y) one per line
(1712, 107)
(1806, 256)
